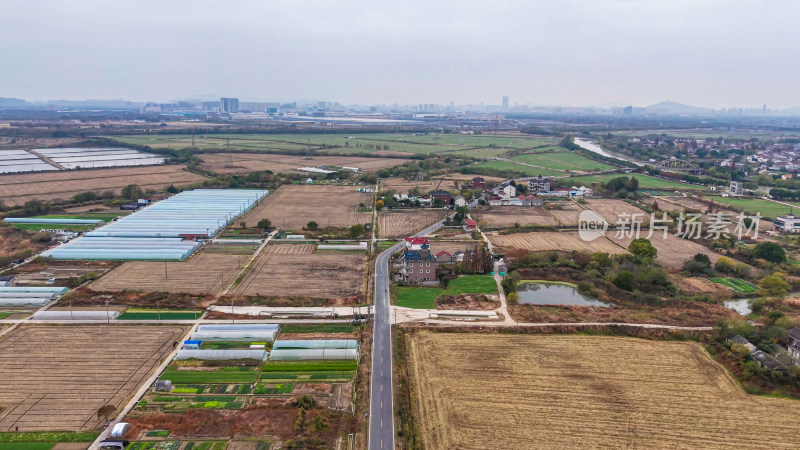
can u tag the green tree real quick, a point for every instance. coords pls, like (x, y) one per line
(624, 280)
(770, 251)
(774, 285)
(313, 226)
(698, 265)
(172, 189)
(356, 230)
(642, 248)
(438, 203)
(132, 192)
(725, 265)
(264, 223)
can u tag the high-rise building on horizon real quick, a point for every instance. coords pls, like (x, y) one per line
(505, 102)
(229, 105)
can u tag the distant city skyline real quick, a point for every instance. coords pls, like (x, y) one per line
(710, 54)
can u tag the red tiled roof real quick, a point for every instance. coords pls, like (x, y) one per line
(443, 253)
(417, 240)
(471, 222)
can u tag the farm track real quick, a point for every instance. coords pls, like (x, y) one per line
(566, 391)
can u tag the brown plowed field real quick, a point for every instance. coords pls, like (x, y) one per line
(291, 207)
(568, 215)
(402, 186)
(293, 270)
(672, 251)
(478, 391)
(249, 162)
(507, 216)
(453, 246)
(57, 377)
(204, 273)
(613, 209)
(552, 240)
(18, 189)
(397, 224)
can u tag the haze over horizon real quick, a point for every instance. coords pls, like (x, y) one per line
(711, 53)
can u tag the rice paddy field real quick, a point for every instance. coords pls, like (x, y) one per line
(561, 160)
(540, 241)
(570, 391)
(56, 377)
(16, 189)
(766, 208)
(291, 207)
(513, 167)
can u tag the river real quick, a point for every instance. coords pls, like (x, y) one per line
(592, 147)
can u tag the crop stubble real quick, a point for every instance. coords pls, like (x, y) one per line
(477, 391)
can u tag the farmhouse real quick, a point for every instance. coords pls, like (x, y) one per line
(418, 266)
(470, 225)
(444, 257)
(794, 342)
(787, 224)
(768, 361)
(741, 340)
(478, 183)
(459, 201)
(530, 200)
(539, 184)
(417, 243)
(444, 196)
(505, 190)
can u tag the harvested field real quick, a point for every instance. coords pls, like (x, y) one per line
(294, 270)
(568, 391)
(701, 286)
(453, 246)
(672, 251)
(684, 203)
(402, 186)
(249, 162)
(397, 224)
(612, 209)
(18, 189)
(553, 240)
(16, 244)
(507, 216)
(57, 377)
(291, 207)
(568, 214)
(204, 273)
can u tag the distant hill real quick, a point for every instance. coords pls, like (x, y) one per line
(6, 102)
(669, 107)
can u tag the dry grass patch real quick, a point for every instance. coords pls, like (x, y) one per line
(612, 210)
(204, 273)
(57, 377)
(291, 207)
(566, 391)
(672, 251)
(283, 270)
(553, 240)
(402, 186)
(507, 216)
(20, 188)
(249, 162)
(397, 224)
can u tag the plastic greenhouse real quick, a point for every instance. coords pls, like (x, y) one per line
(238, 326)
(313, 354)
(74, 315)
(234, 335)
(157, 232)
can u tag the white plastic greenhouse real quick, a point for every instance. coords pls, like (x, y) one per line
(316, 344)
(234, 335)
(260, 355)
(157, 232)
(53, 221)
(74, 315)
(28, 296)
(313, 354)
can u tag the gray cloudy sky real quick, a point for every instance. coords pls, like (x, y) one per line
(714, 53)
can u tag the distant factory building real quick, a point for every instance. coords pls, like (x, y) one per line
(229, 105)
(505, 102)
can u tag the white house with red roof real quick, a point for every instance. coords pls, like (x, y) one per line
(417, 243)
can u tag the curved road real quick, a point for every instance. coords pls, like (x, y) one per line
(381, 400)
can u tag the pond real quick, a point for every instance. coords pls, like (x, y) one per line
(543, 293)
(741, 306)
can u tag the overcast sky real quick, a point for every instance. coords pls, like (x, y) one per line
(713, 53)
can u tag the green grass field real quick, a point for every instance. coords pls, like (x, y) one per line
(44, 436)
(319, 328)
(48, 226)
(105, 216)
(187, 377)
(645, 182)
(423, 144)
(425, 297)
(736, 284)
(753, 205)
(519, 168)
(30, 445)
(309, 366)
(165, 315)
(5, 315)
(562, 160)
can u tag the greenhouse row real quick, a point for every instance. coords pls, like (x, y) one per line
(316, 344)
(238, 326)
(53, 221)
(28, 296)
(260, 355)
(157, 232)
(234, 335)
(313, 354)
(75, 315)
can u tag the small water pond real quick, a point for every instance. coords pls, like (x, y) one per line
(741, 306)
(544, 293)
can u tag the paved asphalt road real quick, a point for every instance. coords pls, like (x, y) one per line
(381, 408)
